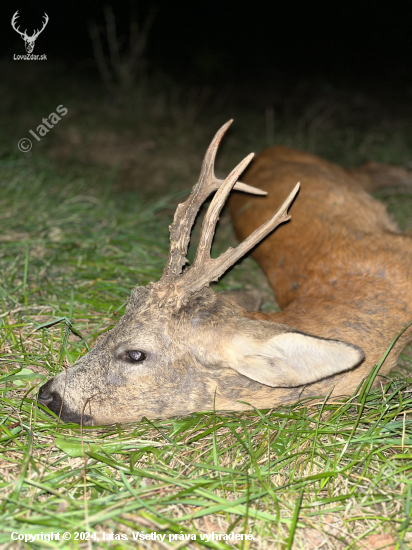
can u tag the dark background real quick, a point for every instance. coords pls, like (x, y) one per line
(218, 41)
(330, 78)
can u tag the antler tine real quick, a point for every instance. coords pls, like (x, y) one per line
(203, 274)
(228, 258)
(212, 214)
(239, 186)
(186, 212)
(208, 165)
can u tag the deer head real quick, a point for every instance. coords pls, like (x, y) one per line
(180, 347)
(29, 41)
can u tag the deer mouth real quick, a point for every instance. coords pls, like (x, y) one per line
(54, 402)
(45, 398)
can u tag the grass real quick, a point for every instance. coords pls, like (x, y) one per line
(312, 475)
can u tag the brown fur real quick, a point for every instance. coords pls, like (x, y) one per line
(341, 268)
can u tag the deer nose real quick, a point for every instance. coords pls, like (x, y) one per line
(45, 397)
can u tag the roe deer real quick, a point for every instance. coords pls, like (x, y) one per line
(340, 269)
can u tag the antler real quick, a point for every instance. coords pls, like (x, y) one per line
(175, 287)
(206, 269)
(186, 212)
(13, 24)
(36, 33)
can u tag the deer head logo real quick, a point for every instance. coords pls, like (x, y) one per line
(29, 41)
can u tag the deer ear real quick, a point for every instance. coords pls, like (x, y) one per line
(292, 358)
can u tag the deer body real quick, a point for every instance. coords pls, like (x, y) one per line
(340, 272)
(342, 269)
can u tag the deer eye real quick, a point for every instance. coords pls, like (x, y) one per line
(135, 355)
